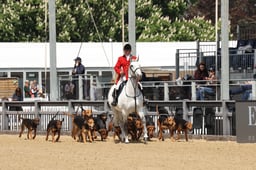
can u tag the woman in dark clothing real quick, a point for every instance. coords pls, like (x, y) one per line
(201, 74)
(17, 96)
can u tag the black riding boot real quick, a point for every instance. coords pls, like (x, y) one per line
(114, 102)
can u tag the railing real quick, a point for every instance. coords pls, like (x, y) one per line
(77, 86)
(240, 61)
(208, 117)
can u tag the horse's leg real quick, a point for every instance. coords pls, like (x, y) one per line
(145, 131)
(123, 127)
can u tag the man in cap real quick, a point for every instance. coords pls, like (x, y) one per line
(78, 69)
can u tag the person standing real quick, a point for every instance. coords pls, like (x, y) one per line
(78, 69)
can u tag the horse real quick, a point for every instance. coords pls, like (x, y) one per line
(130, 100)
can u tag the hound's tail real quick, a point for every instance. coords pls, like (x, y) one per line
(55, 115)
(19, 117)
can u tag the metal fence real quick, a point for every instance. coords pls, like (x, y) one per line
(208, 117)
(241, 61)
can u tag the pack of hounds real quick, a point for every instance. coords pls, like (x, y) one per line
(85, 127)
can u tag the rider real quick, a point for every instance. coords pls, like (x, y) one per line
(121, 68)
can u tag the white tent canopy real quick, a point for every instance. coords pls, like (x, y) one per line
(34, 55)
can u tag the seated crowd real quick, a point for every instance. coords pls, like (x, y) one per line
(32, 89)
(206, 85)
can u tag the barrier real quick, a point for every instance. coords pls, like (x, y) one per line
(220, 121)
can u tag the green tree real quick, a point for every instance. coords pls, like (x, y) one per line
(157, 20)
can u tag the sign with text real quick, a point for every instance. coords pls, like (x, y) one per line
(246, 121)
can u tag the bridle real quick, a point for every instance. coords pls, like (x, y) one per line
(133, 84)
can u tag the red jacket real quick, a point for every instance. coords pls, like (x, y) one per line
(122, 64)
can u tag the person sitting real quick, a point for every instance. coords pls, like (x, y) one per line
(202, 90)
(200, 74)
(244, 89)
(17, 96)
(27, 89)
(121, 68)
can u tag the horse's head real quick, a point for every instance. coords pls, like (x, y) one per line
(135, 70)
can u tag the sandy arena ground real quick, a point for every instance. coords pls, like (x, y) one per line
(19, 153)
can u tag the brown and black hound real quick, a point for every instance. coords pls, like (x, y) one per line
(164, 122)
(134, 126)
(100, 126)
(181, 125)
(150, 124)
(54, 126)
(115, 129)
(31, 124)
(83, 129)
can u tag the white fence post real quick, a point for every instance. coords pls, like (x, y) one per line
(166, 92)
(226, 122)
(253, 90)
(80, 85)
(193, 91)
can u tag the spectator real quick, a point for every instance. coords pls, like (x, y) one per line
(32, 89)
(200, 74)
(17, 96)
(78, 70)
(69, 90)
(27, 89)
(210, 90)
(245, 88)
(36, 88)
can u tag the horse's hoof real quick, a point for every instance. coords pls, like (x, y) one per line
(145, 140)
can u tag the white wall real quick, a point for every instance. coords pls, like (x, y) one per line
(27, 55)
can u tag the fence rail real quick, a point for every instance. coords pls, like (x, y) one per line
(208, 117)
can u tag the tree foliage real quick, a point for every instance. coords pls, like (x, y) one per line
(157, 20)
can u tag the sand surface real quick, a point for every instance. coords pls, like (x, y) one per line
(19, 153)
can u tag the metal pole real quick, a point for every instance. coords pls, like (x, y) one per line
(216, 37)
(177, 64)
(216, 45)
(224, 50)
(131, 25)
(122, 22)
(52, 32)
(166, 91)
